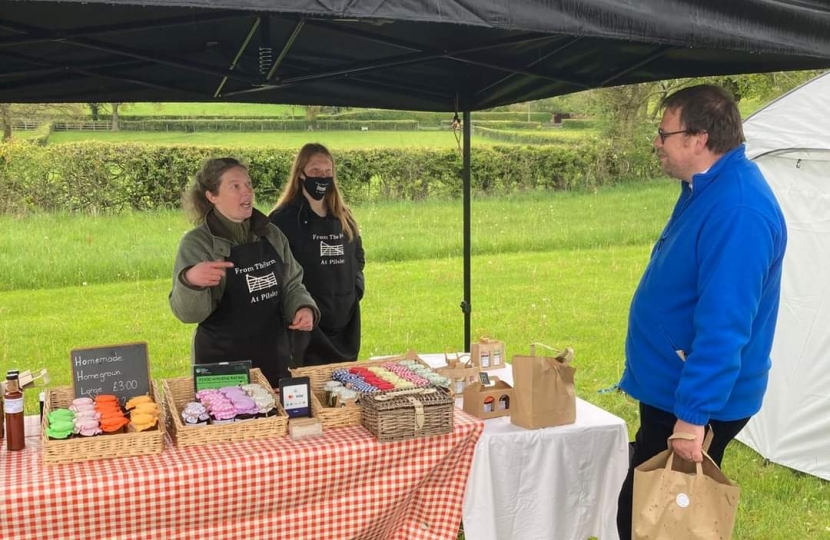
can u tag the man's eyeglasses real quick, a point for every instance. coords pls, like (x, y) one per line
(666, 134)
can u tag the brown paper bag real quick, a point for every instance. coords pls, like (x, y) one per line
(680, 500)
(543, 389)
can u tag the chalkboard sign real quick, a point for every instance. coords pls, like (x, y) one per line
(121, 370)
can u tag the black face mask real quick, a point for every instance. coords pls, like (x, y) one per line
(317, 186)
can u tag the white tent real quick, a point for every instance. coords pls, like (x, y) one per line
(790, 141)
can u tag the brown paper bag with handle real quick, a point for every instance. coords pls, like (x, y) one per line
(543, 389)
(676, 499)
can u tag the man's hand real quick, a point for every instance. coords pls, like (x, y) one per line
(303, 320)
(207, 273)
(689, 450)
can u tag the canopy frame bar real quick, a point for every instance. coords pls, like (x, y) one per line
(393, 62)
(285, 48)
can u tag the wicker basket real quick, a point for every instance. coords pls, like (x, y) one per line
(405, 414)
(178, 392)
(332, 417)
(100, 446)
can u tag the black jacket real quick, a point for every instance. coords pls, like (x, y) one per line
(332, 274)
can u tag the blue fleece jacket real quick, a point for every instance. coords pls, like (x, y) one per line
(709, 293)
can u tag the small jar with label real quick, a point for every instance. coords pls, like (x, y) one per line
(484, 358)
(496, 358)
(348, 398)
(458, 385)
(488, 404)
(330, 389)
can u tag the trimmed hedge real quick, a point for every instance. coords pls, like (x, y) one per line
(101, 177)
(435, 118)
(363, 115)
(240, 125)
(127, 117)
(248, 125)
(42, 133)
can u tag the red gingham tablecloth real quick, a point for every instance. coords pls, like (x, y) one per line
(344, 485)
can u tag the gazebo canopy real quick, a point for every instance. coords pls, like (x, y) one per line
(439, 55)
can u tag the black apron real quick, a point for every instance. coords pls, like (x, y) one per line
(248, 323)
(329, 275)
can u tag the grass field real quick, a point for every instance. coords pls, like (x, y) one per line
(556, 268)
(290, 139)
(24, 134)
(64, 250)
(557, 134)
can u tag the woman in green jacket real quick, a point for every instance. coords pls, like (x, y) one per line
(235, 276)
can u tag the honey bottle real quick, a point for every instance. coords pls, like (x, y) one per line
(13, 409)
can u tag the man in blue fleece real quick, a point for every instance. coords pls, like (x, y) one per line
(702, 319)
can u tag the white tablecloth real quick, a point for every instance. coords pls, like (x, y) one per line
(556, 483)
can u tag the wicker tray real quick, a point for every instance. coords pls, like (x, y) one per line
(332, 417)
(100, 446)
(178, 392)
(398, 415)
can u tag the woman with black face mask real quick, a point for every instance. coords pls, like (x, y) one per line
(325, 240)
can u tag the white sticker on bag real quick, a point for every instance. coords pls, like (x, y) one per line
(682, 500)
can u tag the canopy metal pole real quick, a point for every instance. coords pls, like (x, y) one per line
(466, 307)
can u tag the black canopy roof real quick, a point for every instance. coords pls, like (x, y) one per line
(402, 54)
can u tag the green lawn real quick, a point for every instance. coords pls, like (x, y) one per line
(65, 250)
(292, 139)
(24, 134)
(557, 134)
(556, 268)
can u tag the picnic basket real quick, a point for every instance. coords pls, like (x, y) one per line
(179, 391)
(78, 449)
(399, 415)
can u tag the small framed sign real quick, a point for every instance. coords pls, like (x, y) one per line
(484, 377)
(295, 396)
(221, 374)
(121, 370)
